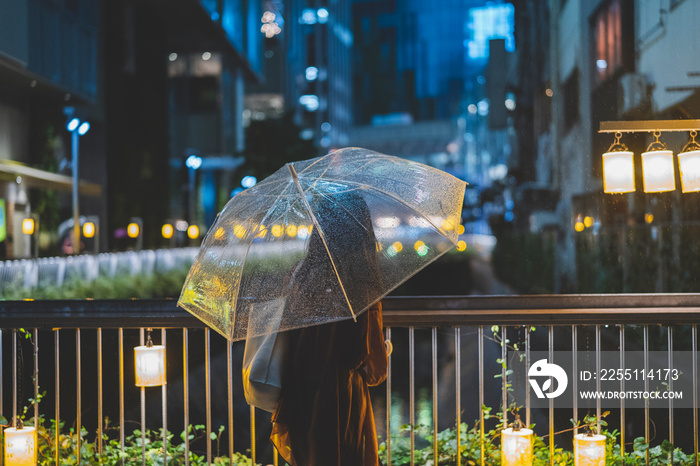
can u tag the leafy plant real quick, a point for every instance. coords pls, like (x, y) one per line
(470, 449)
(134, 447)
(157, 285)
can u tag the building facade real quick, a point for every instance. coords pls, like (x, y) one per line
(49, 71)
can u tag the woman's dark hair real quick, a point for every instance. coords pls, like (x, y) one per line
(346, 225)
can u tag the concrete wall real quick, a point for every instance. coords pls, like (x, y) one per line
(661, 29)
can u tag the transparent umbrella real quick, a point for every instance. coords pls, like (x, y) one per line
(321, 240)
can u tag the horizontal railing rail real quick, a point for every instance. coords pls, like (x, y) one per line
(664, 309)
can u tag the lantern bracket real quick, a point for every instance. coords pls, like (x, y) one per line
(646, 126)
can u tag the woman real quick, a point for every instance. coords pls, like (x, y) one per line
(325, 416)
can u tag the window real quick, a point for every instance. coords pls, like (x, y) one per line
(571, 98)
(607, 36)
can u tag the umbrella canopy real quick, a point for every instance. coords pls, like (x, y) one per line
(321, 240)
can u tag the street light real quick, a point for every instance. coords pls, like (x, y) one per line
(30, 227)
(192, 163)
(77, 129)
(135, 231)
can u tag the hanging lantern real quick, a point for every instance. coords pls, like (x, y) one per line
(618, 168)
(20, 446)
(657, 167)
(589, 450)
(516, 447)
(150, 364)
(689, 165)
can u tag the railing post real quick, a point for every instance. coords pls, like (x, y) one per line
(388, 402)
(164, 399)
(99, 391)
(57, 392)
(646, 389)
(143, 410)
(504, 375)
(458, 393)
(207, 388)
(551, 401)
(694, 348)
(36, 379)
(435, 396)
(622, 389)
(121, 393)
(412, 391)
(229, 385)
(482, 429)
(185, 393)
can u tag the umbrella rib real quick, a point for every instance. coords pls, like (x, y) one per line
(245, 257)
(323, 237)
(397, 199)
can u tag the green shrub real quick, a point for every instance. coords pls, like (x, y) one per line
(156, 285)
(470, 448)
(133, 452)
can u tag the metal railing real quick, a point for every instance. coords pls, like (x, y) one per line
(454, 336)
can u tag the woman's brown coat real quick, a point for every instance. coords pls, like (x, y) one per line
(325, 417)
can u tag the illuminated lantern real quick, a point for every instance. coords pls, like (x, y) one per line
(193, 232)
(89, 230)
(618, 168)
(167, 231)
(516, 447)
(589, 450)
(28, 226)
(657, 167)
(133, 230)
(20, 446)
(689, 165)
(149, 361)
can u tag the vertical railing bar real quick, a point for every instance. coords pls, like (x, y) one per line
(504, 377)
(646, 389)
(551, 400)
(412, 390)
(143, 411)
(671, 432)
(36, 379)
(185, 393)
(2, 380)
(622, 389)
(99, 391)
(14, 377)
(78, 394)
(458, 392)
(252, 435)
(164, 397)
(229, 386)
(482, 429)
(207, 383)
(597, 379)
(388, 402)
(574, 371)
(435, 397)
(527, 364)
(56, 395)
(121, 394)
(695, 392)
